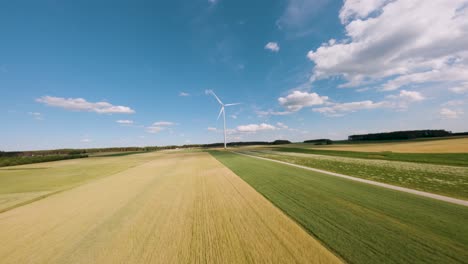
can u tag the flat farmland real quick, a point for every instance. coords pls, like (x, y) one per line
(172, 208)
(445, 180)
(446, 145)
(360, 222)
(27, 183)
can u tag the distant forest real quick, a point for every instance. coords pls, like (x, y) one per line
(396, 135)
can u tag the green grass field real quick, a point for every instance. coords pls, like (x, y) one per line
(445, 180)
(360, 222)
(453, 159)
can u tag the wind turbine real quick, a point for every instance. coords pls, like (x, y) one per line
(222, 111)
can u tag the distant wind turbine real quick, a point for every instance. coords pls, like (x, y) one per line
(222, 111)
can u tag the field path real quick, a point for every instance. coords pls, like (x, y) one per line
(177, 208)
(385, 185)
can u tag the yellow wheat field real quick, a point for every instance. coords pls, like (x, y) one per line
(177, 208)
(456, 145)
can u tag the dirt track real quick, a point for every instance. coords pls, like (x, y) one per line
(178, 208)
(380, 184)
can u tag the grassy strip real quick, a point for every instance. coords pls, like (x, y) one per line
(13, 161)
(453, 159)
(445, 180)
(360, 222)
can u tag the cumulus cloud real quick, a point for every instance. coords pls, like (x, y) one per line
(281, 125)
(408, 96)
(273, 46)
(159, 126)
(450, 114)
(80, 104)
(358, 9)
(125, 122)
(253, 128)
(462, 88)
(397, 43)
(399, 101)
(184, 94)
(339, 109)
(297, 100)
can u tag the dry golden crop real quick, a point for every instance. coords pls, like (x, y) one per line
(455, 145)
(177, 208)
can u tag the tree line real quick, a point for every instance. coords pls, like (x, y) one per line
(396, 135)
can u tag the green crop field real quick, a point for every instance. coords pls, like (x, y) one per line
(453, 159)
(440, 179)
(360, 222)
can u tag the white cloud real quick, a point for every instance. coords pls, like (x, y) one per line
(253, 128)
(358, 9)
(212, 129)
(281, 125)
(163, 123)
(154, 130)
(454, 103)
(271, 112)
(125, 122)
(450, 114)
(408, 96)
(398, 43)
(80, 104)
(159, 126)
(85, 140)
(296, 100)
(273, 46)
(400, 101)
(36, 115)
(184, 94)
(299, 15)
(463, 88)
(339, 109)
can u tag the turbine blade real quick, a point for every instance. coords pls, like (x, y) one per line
(232, 104)
(220, 112)
(219, 101)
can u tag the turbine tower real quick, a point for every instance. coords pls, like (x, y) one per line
(222, 111)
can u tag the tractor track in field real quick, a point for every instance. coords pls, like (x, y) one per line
(380, 184)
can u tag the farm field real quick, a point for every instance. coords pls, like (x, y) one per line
(360, 222)
(444, 145)
(440, 179)
(172, 207)
(26, 183)
(453, 159)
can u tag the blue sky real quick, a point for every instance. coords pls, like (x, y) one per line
(135, 73)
